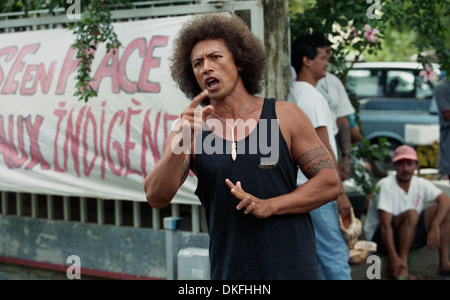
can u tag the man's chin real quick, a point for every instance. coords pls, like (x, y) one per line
(405, 177)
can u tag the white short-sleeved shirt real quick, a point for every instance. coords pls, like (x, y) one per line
(395, 200)
(316, 108)
(333, 90)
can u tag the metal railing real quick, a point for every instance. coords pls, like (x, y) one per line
(42, 19)
(100, 211)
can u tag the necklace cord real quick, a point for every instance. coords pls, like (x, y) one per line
(237, 120)
(233, 143)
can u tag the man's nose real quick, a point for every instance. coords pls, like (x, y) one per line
(207, 66)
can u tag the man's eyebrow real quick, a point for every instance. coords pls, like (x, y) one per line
(196, 59)
(212, 53)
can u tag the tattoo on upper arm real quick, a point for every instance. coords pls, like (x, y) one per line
(315, 160)
(184, 171)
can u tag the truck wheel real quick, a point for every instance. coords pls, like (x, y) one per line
(381, 168)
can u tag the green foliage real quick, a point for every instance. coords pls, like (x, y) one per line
(373, 151)
(362, 151)
(93, 28)
(429, 20)
(344, 23)
(344, 26)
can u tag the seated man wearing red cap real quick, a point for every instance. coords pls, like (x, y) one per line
(397, 221)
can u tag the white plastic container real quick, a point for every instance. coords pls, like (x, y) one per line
(193, 264)
(421, 135)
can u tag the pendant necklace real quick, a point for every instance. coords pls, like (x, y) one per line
(233, 142)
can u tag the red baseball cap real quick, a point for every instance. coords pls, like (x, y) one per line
(404, 152)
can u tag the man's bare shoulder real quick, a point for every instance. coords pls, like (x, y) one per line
(293, 121)
(286, 108)
(290, 113)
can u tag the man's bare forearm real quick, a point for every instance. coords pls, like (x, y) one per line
(344, 137)
(160, 184)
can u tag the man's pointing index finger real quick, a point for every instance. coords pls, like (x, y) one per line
(199, 98)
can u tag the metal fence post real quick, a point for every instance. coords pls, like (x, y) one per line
(171, 225)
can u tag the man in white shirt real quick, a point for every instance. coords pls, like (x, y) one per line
(332, 88)
(396, 219)
(310, 62)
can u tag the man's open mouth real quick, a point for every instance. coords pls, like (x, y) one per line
(211, 82)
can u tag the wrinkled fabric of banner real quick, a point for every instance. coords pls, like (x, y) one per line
(51, 143)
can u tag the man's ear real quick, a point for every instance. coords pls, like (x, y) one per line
(306, 61)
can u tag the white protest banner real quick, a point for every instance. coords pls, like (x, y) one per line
(51, 143)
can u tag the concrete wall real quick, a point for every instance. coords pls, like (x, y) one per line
(115, 251)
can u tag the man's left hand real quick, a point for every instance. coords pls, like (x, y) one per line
(259, 208)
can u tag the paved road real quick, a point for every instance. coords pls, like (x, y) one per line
(423, 263)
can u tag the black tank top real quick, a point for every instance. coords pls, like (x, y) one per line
(243, 246)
